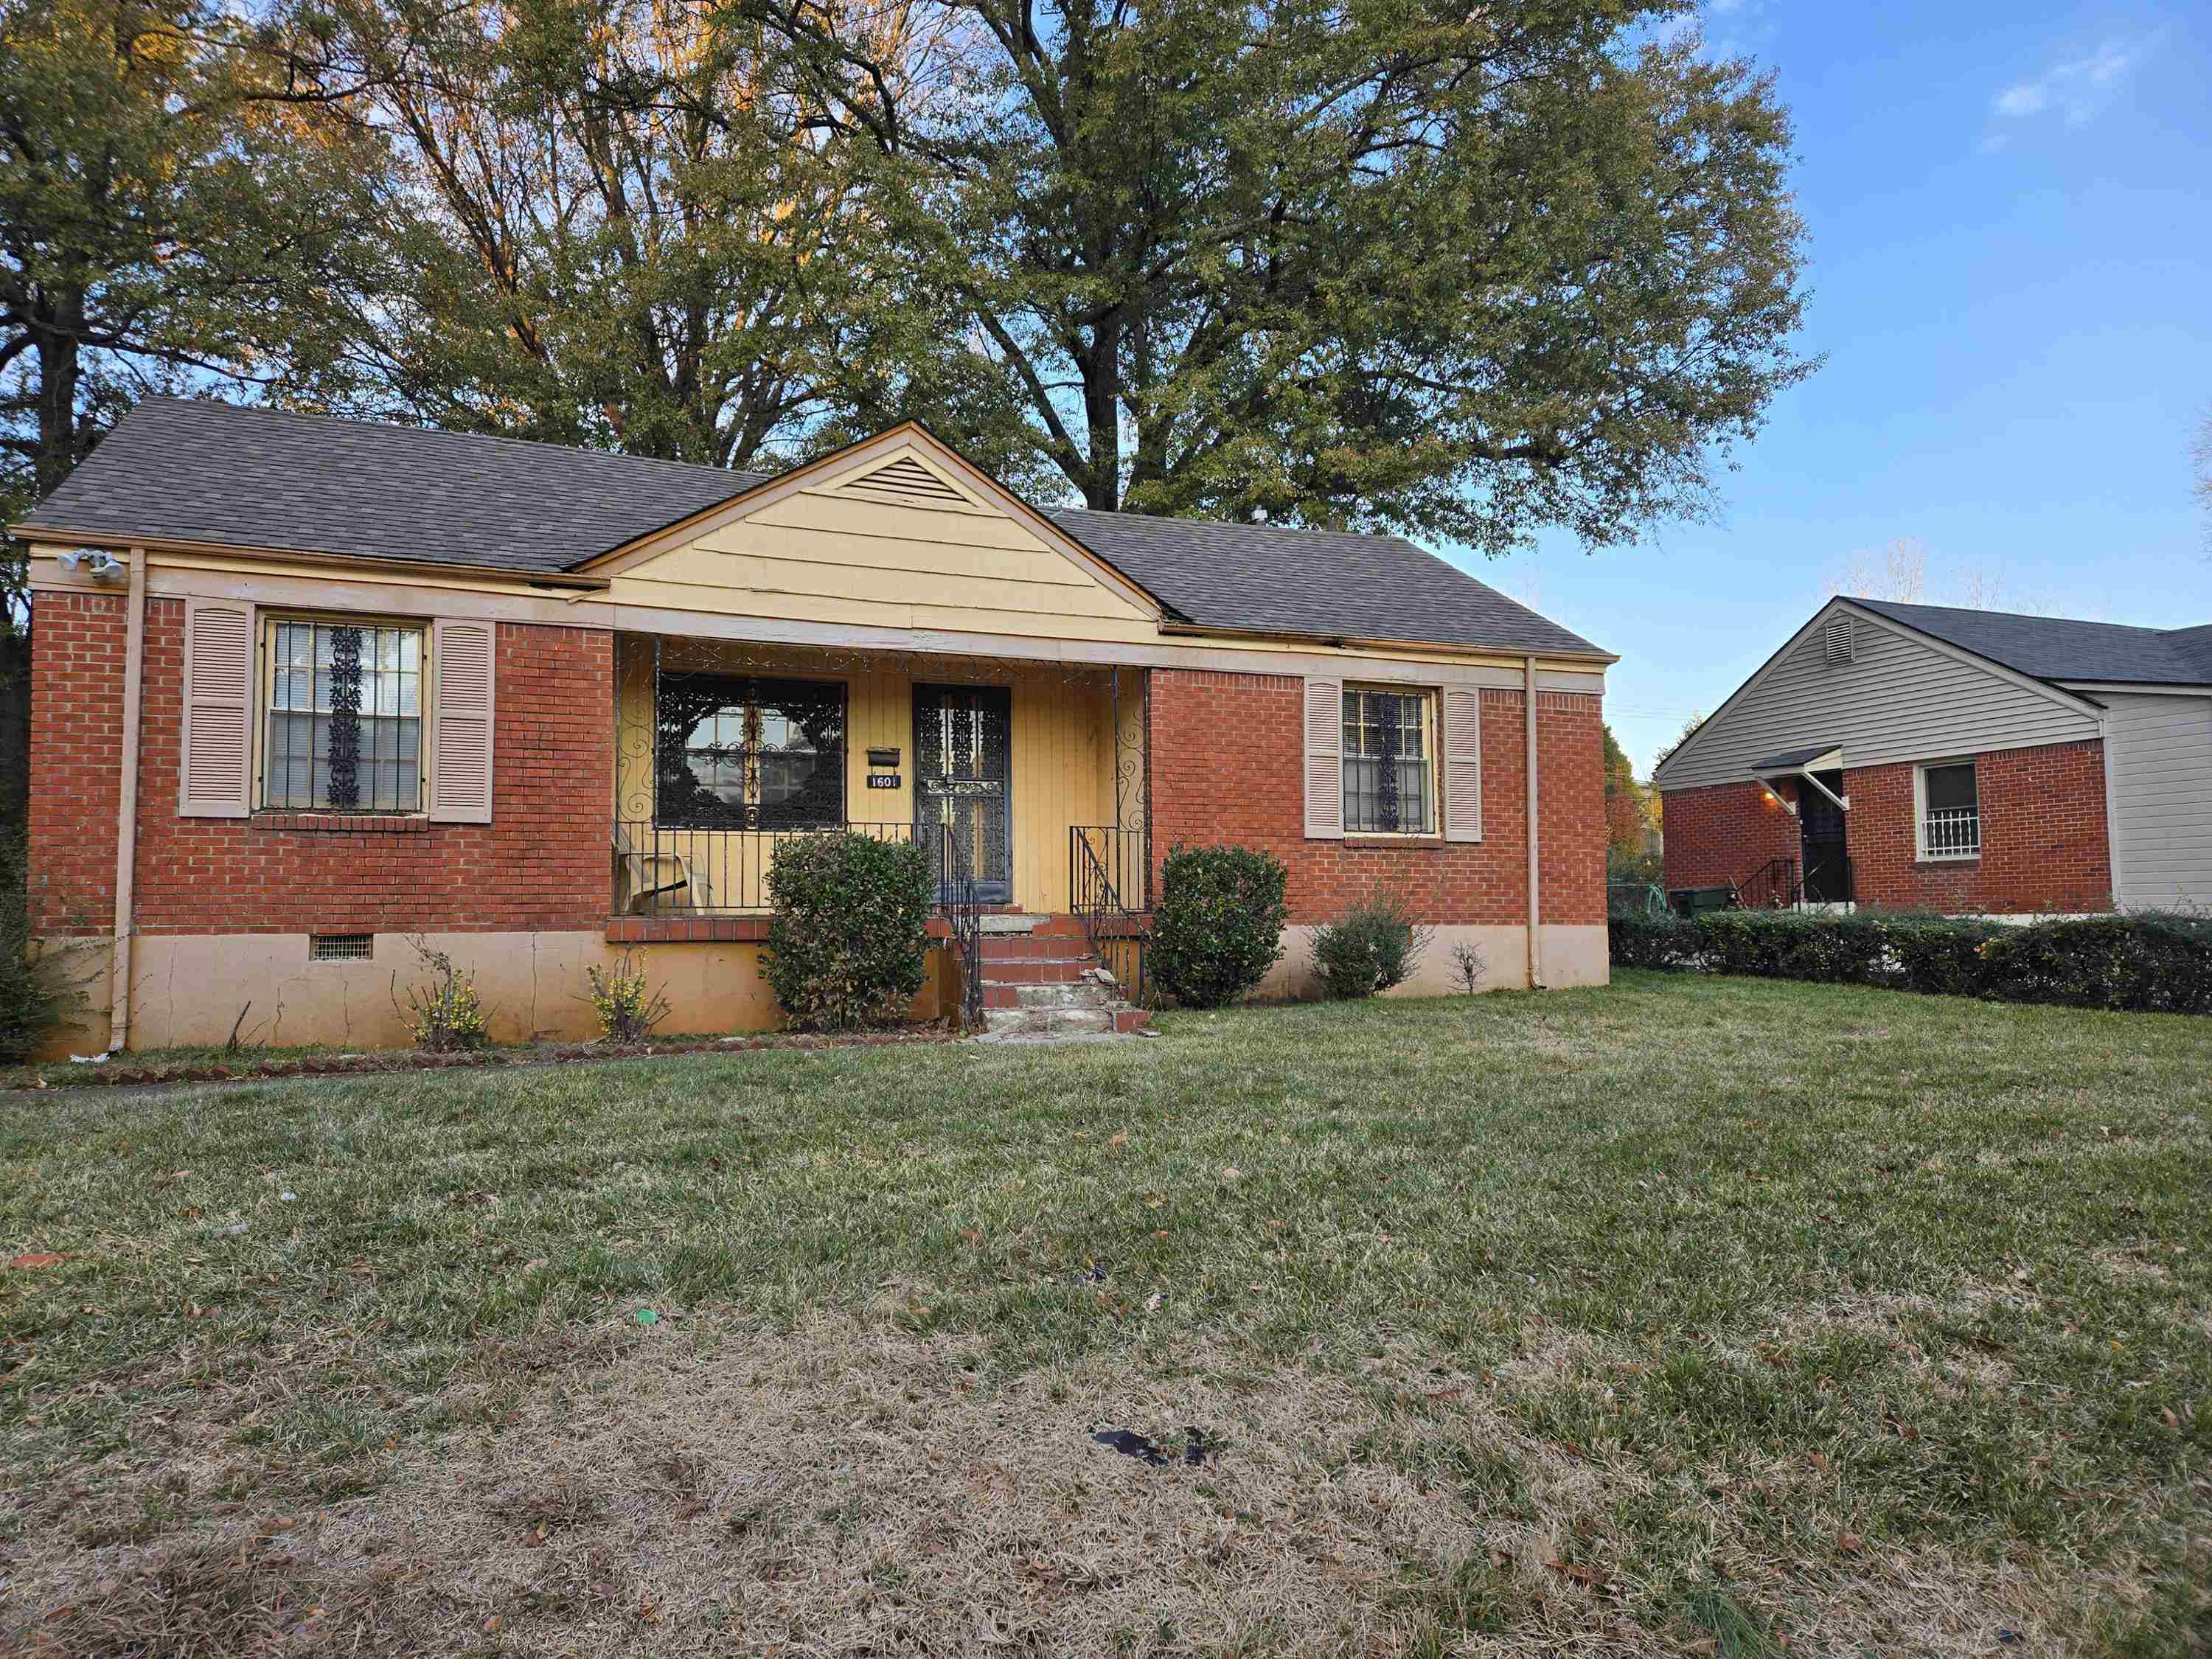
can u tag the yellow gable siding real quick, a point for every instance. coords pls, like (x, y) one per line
(839, 553)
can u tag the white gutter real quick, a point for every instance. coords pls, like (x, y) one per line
(126, 808)
(1536, 903)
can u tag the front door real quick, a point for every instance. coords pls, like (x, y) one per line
(1828, 865)
(962, 780)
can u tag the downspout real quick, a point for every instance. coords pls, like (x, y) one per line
(126, 809)
(1536, 903)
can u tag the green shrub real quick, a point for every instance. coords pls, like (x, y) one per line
(1376, 945)
(1219, 926)
(445, 1014)
(1653, 942)
(2154, 963)
(1942, 956)
(627, 1008)
(32, 996)
(847, 941)
(1842, 950)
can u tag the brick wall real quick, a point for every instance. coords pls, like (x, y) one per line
(1227, 765)
(2043, 845)
(542, 862)
(1722, 833)
(76, 760)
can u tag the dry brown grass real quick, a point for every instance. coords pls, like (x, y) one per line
(850, 1488)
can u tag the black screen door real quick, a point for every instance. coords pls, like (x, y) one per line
(962, 777)
(1827, 864)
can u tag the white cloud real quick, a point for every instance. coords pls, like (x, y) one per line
(2077, 89)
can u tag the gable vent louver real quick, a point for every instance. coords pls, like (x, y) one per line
(1839, 642)
(907, 480)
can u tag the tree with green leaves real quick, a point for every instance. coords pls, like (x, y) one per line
(179, 204)
(1462, 272)
(616, 222)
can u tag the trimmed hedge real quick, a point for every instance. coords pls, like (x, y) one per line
(2161, 964)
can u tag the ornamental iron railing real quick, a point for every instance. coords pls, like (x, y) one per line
(1108, 868)
(660, 870)
(961, 906)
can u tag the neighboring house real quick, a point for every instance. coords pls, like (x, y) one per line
(1972, 761)
(326, 684)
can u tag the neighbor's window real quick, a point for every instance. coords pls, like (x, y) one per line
(1387, 745)
(746, 754)
(1950, 811)
(343, 721)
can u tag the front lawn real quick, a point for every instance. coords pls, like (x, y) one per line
(1688, 1316)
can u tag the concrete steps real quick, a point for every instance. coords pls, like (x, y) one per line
(1041, 979)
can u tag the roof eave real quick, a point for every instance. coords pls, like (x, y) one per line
(33, 531)
(1460, 647)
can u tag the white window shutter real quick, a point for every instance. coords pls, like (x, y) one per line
(215, 769)
(1325, 759)
(462, 662)
(1462, 764)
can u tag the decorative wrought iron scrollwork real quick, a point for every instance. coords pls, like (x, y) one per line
(345, 718)
(1389, 814)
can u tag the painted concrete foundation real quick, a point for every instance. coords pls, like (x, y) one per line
(1573, 955)
(190, 989)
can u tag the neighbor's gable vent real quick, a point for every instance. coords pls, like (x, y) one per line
(907, 479)
(1838, 642)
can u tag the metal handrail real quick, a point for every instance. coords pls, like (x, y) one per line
(1773, 886)
(962, 910)
(1115, 931)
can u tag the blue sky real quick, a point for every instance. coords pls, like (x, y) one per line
(2010, 211)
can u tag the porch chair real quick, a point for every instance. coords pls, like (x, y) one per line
(637, 871)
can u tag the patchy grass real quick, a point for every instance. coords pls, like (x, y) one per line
(1690, 1316)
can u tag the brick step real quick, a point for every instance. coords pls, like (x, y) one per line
(1037, 973)
(1025, 947)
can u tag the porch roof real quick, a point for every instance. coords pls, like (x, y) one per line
(194, 472)
(1801, 759)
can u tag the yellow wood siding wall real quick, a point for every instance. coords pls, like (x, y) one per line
(1063, 759)
(836, 553)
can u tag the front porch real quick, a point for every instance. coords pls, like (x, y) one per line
(1026, 781)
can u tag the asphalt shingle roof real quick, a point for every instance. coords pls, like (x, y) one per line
(1310, 582)
(186, 470)
(192, 471)
(2059, 648)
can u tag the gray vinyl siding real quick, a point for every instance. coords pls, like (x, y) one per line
(2160, 756)
(1902, 699)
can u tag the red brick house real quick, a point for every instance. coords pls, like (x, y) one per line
(305, 687)
(1970, 762)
